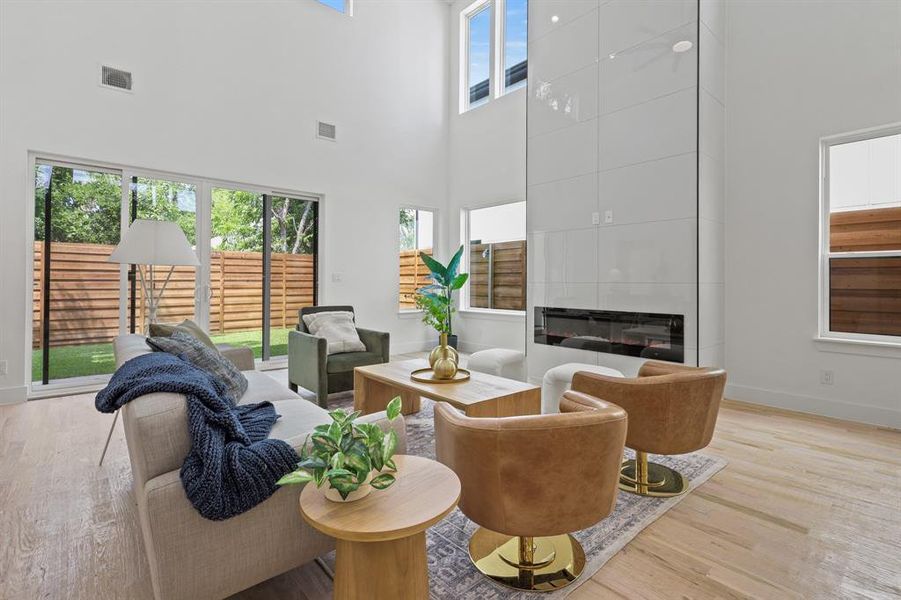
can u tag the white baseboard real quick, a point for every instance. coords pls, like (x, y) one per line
(13, 395)
(861, 413)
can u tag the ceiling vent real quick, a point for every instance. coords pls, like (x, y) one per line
(115, 78)
(326, 131)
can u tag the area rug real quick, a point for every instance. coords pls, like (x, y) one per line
(451, 574)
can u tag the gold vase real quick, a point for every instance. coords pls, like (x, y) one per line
(443, 359)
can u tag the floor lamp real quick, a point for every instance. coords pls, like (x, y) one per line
(147, 244)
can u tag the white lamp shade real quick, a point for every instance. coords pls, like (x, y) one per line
(150, 242)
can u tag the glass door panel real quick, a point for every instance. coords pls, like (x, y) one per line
(293, 228)
(75, 310)
(166, 201)
(236, 268)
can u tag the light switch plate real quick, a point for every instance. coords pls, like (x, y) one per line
(595, 218)
(4, 367)
(608, 216)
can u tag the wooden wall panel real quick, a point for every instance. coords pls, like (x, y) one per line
(865, 295)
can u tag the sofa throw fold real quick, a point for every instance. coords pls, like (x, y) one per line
(232, 465)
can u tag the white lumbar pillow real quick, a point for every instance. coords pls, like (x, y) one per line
(337, 327)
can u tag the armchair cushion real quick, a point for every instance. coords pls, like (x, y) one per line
(347, 361)
(337, 328)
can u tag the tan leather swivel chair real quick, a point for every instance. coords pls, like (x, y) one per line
(529, 481)
(672, 410)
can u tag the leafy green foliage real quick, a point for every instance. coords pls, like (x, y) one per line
(436, 301)
(85, 209)
(344, 453)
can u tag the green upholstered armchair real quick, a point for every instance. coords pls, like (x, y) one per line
(311, 367)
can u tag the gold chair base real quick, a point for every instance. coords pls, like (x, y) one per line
(540, 564)
(662, 482)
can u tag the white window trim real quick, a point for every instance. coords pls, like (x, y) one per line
(415, 312)
(824, 334)
(465, 16)
(465, 308)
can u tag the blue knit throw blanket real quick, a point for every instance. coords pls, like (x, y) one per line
(232, 466)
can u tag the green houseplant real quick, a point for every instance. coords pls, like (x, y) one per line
(346, 455)
(437, 300)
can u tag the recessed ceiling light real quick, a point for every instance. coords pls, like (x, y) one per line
(554, 19)
(682, 46)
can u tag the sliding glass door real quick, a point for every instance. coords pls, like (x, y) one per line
(76, 291)
(258, 254)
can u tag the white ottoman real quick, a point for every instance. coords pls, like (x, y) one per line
(559, 379)
(500, 362)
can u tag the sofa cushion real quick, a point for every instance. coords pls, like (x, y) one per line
(191, 349)
(261, 388)
(187, 326)
(346, 361)
(298, 418)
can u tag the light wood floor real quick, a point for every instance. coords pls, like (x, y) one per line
(806, 508)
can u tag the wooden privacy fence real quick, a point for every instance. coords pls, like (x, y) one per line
(865, 292)
(84, 292)
(413, 275)
(497, 275)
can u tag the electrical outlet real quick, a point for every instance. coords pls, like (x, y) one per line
(336, 277)
(608, 217)
(4, 367)
(595, 218)
(827, 377)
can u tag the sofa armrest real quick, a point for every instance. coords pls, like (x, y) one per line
(307, 358)
(240, 356)
(376, 341)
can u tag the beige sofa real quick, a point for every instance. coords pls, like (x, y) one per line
(191, 557)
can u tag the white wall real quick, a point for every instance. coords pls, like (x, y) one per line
(232, 90)
(799, 71)
(486, 165)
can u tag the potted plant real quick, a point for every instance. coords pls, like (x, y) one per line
(437, 300)
(348, 456)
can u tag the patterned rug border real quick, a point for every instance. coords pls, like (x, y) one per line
(593, 566)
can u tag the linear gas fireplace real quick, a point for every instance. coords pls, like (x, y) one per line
(648, 335)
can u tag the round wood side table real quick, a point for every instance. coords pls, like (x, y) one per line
(381, 538)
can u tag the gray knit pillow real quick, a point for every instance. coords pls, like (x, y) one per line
(210, 360)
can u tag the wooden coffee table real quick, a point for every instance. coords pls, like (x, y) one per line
(381, 538)
(482, 396)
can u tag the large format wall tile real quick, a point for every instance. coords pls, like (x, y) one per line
(564, 295)
(711, 190)
(625, 23)
(655, 252)
(566, 49)
(562, 102)
(713, 14)
(545, 17)
(713, 66)
(649, 70)
(658, 190)
(712, 127)
(712, 251)
(652, 130)
(564, 153)
(711, 304)
(563, 256)
(564, 204)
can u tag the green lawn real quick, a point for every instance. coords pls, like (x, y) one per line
(97, 359)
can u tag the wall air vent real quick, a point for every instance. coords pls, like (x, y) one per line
(117, 79)
(326, 131)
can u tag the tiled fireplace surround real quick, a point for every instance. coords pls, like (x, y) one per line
(625, 168)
